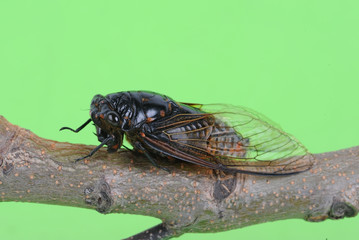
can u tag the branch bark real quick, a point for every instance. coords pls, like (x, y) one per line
(190, 199)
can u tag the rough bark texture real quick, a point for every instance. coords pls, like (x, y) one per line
(190, 199)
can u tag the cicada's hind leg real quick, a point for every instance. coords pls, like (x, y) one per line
(224, 185)
(127, 148)
(139, 147)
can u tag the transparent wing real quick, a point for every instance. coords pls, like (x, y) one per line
(236, 138)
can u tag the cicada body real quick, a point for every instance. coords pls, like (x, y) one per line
(223, 137)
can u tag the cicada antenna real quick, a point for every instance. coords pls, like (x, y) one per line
(79, 128)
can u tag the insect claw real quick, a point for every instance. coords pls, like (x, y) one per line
(81, 158)
(164, 168)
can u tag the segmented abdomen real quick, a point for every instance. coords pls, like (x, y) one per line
(225, 141)
(212, 136)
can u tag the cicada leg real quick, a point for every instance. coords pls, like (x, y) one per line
(127, 148)
(225, 184)
(107, 140)
(139, 146)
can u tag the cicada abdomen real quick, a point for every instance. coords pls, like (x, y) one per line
(224, 141)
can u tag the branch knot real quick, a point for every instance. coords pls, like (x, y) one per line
(99, 196)
(340, 210)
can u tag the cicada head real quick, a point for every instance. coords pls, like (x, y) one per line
(107, 121)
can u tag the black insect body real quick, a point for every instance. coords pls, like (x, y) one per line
(223, 137)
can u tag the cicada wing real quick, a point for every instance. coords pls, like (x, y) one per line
(237, 139)
(268, 149)
(193, 105)
(183, 136)
(172, 150)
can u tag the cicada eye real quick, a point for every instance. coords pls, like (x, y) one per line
(113, 118)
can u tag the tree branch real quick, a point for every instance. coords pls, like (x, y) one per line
(190, 199)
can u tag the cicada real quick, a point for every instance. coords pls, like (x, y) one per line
(222, 137)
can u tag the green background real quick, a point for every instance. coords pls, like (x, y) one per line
(294, 61)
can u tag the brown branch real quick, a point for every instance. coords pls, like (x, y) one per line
(190, 199)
